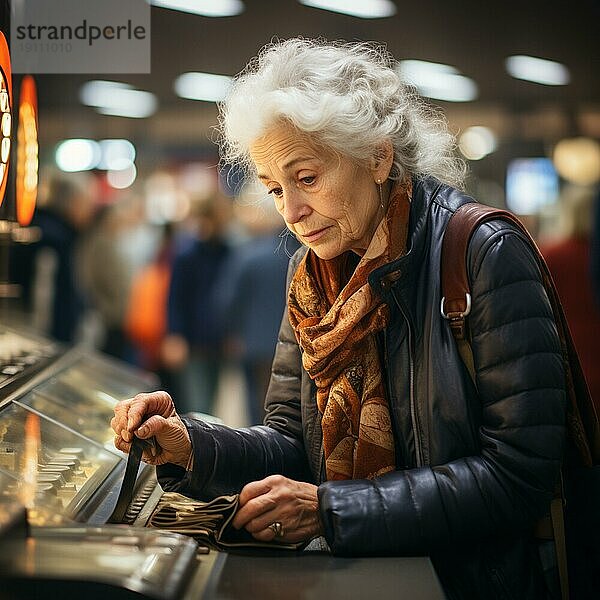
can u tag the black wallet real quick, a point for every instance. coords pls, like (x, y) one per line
(209, 523)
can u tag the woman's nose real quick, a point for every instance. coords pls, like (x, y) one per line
(294, 206)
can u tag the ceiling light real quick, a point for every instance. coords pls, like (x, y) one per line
(97, 92)
(578, 160)
(115, 151)
(206, 8)
(203, 86)
(439, 81)
(77, 155)
(118, 99)
(538, 70)
(477, 142)
(123, 177)
(365, 9)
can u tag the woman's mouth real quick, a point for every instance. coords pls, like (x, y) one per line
(313, 236)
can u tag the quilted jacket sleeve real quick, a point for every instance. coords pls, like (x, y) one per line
(226, 459)
(520, 380)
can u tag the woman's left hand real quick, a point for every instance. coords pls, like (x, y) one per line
(278, 499)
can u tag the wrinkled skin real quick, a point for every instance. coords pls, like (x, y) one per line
(160, 420)
(275, 498)
(331, 202)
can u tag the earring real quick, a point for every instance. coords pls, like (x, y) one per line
(380, 191)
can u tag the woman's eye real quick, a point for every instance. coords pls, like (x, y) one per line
(278, 192)
(308, 180)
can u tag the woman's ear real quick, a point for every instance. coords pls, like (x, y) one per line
(382, 161)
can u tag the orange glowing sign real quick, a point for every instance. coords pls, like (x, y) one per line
(27, 152)
(5, 114)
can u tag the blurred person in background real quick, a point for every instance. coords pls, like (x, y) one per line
(146, 315)
(249, 297)
(191, 350)
(571, 259)
(106, 273)
(568, 258)
(46, 269)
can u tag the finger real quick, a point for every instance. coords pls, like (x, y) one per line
(155, 425)
(254, 489)
(147, 455)
(119, 421)
(115, 424)
(121, 409)
(253, 509)
(266, 535)
(159, 402)
(154, 403)
(121, 444)
(263, 521)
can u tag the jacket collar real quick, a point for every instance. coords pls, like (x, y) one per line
(399, 273)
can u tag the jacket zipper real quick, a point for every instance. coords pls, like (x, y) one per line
(388, 387)
(411, 362)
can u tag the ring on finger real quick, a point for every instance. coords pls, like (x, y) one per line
(277, 529)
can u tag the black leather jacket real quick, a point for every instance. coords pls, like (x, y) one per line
(476, 463)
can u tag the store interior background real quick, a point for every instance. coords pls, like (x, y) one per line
(175, 151)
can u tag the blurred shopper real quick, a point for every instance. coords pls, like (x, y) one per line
(192, 347)
(45, 269)
(250, 299)
(569, 262)
(572, 259)
(106, 276)
(146, 315)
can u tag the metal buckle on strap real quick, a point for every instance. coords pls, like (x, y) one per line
(456, 315)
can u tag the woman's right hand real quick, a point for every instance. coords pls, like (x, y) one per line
(148, 415)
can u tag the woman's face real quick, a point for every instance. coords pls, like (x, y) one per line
(329, 201)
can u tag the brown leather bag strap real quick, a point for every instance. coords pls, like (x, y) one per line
(456, 289)
(582, 416)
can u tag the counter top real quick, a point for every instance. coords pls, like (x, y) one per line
(316, 576)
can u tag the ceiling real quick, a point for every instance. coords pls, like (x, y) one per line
(472, 35)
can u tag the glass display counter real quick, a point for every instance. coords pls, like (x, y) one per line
(80, 400)
(57, 459)
(56, 446)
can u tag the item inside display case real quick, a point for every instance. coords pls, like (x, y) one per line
(68, 468)
(21, 355)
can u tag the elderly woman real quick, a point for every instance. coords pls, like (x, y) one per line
(376, 437)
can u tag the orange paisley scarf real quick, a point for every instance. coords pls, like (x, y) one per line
(335, 320)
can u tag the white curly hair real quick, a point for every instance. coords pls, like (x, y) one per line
(348, 97)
